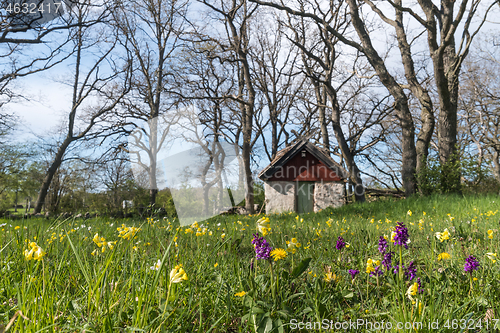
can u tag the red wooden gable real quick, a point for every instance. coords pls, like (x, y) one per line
(307, 168)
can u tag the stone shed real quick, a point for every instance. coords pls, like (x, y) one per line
(303, 178)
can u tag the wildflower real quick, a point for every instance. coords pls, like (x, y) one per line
(491, 256)
(263, 225)
(444, 256)
(17, 228)
(216, 264)
(411, 271)
(278, 254)
(293, 245)
(382, 244)
(409, 213)
(353, 273)
(177, 274)
(442, 236)
(412, 290)
(369, 265)
(401, 235)
(262, 248)
(156, 266)
(471, 264)
(387, 261)
(377, 271)
(340, 243)
(331, 277)
(490, 234)
(222, 236)
(127, 232)
(35, 252)
(241, 294)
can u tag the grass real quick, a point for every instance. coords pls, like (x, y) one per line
(89, 283)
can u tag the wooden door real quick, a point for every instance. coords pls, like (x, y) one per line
(305, 196)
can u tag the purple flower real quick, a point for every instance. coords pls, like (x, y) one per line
(377, 272)
(340, 243)
(387, 261)
(262, 248)
(353, 273)
(411, 271)
(420, 290)
(471, 264)
(401, 237)
(382, 244)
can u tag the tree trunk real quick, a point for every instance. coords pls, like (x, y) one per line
(409, 155)
(56, 163)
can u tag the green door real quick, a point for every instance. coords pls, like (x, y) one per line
(305, 194)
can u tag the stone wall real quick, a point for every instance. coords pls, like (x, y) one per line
(280, 197)
(328, 194)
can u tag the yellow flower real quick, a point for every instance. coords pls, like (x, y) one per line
(442, 236)
(409, 213)
(393, 234)
(35, 252)
(412, 290)
(491, 256)
(241, 294)
(216, 264)
(177, 274)
(222, 236)
(293, 245)
(278, 254)
(331, 277)
(263, 225)
(127, 232)
(17, 228)
(490, 234)
(444, 256)
(369, 266)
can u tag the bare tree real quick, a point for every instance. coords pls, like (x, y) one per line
(234, 17)
(150, 30)
(105, 80)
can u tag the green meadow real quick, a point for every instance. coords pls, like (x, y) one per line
(109, 275)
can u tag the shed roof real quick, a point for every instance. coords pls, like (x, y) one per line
(286, 154)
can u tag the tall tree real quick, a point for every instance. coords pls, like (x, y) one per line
(151, 30)
(97, 76)
(235, 17)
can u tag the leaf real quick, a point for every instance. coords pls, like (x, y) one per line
(301, 268)
(350, 295)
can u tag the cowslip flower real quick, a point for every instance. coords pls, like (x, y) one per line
(442, 236)
(278, 254)
(491, 256)
(35, 252)
(471, 264)
(263, 225)
(293, 245)
(369, 265)
(178, 274)
(412, 290)
(127, 232)
(444, 256)
(490, 234)
(331, 277)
